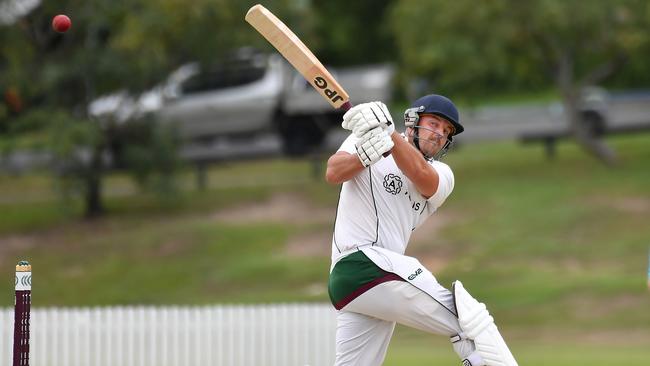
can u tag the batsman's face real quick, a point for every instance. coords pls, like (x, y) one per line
(433, 133)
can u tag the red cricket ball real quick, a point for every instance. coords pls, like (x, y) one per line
(61, 23)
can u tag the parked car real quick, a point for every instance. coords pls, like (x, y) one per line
(250, 93)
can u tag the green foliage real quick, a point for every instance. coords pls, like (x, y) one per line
(150, 154)
(26, 131)
(351, 32)
(116, 45)
(70, 134)
(112, 45)
(465, 48)
(476, 47)
(76, 146)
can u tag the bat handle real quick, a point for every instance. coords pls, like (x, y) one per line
(346, 106)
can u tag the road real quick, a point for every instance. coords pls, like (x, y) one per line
(507, 123)
(481, 124)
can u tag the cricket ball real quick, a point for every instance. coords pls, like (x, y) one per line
(61, 23)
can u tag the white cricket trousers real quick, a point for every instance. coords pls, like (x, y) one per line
(366, 324)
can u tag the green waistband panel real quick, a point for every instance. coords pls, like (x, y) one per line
(352, 276)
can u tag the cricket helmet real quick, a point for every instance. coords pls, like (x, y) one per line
(436, 105)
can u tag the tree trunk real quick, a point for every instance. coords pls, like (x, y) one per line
(94, 203)
(94, 206)
(581, 131)
(585, 135)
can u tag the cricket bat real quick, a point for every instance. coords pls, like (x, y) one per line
(302, 59)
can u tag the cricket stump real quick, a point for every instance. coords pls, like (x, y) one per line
(21, 313)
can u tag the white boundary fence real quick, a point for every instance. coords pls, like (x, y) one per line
(255, 335)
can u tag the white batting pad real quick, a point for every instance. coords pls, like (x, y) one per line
(478, 325)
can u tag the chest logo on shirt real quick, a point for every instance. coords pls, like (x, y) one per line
(392, 183)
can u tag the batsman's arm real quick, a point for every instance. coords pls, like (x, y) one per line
(411, 162)
(341, 167)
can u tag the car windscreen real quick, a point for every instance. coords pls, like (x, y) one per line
(223, 76)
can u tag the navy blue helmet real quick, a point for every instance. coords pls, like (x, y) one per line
(439, 106)
(436, 105)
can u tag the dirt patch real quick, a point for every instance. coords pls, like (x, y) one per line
(282, 207)
(639, 205)
(567, 265)
(424, 241)
(16, 244)
(583, 306)
(170, 248)
(279, 208)
(578, 337)
(633, 205)
(608, 338)
(314, 244)
(290, 209)
(422, 244)
(431, 229)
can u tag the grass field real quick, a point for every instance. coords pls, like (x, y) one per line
(557, 249)
(408, 350)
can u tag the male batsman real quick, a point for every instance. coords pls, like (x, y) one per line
(372, 284)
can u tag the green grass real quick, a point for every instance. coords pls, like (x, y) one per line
(559, 234)
(530, 347)
(428, 350)
(33, 202)
(557, 249)
(546, 244)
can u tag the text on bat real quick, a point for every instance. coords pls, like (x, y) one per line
(331, 94)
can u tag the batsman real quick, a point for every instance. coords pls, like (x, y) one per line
(372, 284)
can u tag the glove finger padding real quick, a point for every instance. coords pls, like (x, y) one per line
(382, 113)
(367, 116)
(349, 115)
(360, 124)
(375, 114)
(372, 145)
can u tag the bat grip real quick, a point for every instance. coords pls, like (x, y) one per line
(346, 106)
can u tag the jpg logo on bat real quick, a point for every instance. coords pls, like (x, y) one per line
(321, 83)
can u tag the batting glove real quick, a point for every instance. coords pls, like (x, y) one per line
(372, 145)
(364, 117)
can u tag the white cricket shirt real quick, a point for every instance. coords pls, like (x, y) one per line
(381, 206)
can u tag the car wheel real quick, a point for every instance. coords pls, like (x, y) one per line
(301, 135)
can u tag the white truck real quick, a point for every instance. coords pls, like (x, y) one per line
(251, 93)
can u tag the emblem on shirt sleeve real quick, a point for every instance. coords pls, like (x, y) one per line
(392, 183)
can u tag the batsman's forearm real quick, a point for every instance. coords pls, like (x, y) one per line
(413, 165)
(342, 167)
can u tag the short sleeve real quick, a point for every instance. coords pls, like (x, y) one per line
(445, 184)
(348, 144)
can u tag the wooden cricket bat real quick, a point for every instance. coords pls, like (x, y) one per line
(302, 59)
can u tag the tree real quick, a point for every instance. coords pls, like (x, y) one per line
(359, 34)
(112, 45)
(514, 44)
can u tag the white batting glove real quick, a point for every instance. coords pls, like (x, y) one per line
(364, 117)
(372, 145)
